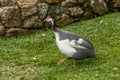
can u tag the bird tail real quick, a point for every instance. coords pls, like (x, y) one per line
(93, 54)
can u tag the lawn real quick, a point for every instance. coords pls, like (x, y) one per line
(35, 57)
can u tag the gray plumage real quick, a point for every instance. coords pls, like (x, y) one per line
(72, 36)
(81, 53)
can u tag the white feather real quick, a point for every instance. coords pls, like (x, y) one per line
(77, 45)
(80, 40)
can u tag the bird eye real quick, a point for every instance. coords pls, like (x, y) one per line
(48, 19)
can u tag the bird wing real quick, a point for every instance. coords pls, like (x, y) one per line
(81, 43)
(75, 40)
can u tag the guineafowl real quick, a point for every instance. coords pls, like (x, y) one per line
(73, 45)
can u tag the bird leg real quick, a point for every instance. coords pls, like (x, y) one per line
(62, 61)
(74, 63)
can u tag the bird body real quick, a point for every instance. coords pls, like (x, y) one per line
(71, 44)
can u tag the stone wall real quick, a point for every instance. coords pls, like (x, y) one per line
(21, 17)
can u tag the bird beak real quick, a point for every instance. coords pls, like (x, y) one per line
(44, 20)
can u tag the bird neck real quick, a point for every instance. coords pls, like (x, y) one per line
(53, 27)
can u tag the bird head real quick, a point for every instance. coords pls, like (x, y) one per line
(49, 20)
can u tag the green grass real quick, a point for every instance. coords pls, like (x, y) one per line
(35, 57)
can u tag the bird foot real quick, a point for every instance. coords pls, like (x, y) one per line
(62, 61)
(74, 63)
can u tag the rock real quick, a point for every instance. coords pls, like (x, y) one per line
(76, 11)
(88, 14)
(37, 23)
(16, 32)
(2, 30)
(64, 20)
(53, 1)
(10, 16)
(4, 3)
(28, 7)
(42, 10)
(33, 22)
(27, 3)
(64, 10)
(81, 1)
(69, 3)
(41, 1)
(99, 6)
(56, 10)
(117, 4)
